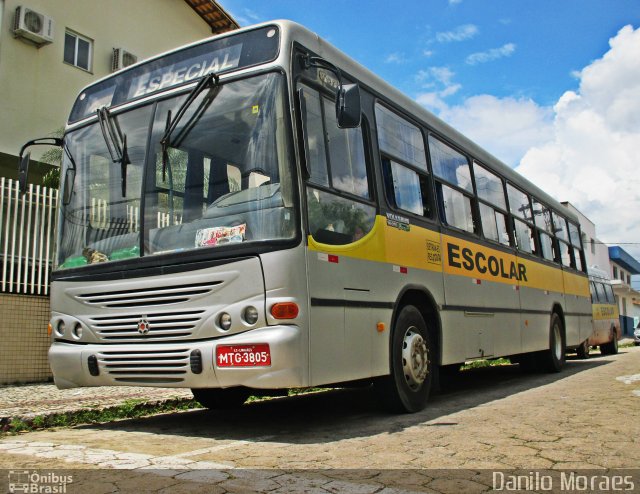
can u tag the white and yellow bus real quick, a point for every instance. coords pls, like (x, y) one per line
(606, 318)
(258, 211)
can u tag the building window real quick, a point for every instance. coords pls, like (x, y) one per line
(77, 50)
(615, 273)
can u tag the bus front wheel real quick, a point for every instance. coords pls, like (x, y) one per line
(407, 388)
(221, 398)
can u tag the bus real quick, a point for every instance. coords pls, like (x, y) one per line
(257, 211)
(606, 321)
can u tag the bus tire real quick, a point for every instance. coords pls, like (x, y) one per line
(583, 350)
(221, 398)
(610, 348)
(553, 359)
(407, 388)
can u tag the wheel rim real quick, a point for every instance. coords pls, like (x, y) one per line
(557, 342)
(415, 358)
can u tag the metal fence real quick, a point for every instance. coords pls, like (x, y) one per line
(27, 233)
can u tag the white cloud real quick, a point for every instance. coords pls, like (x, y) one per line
(506, 127)
(591, 160)
(460, 33)
(395, 57)
(245, 17)
(492, 54)
(440, 81)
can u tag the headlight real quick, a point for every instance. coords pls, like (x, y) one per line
(60, 328)
(224, 321)
(250, 315)
(76, 332)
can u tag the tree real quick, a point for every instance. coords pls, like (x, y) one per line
(53, 156)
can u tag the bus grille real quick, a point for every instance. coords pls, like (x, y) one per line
(146, 366)
(141, 297)
(161, 326)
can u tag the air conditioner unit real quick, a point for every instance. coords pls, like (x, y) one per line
(33, 26)
(122, 58)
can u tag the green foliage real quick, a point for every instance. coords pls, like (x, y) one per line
(479, 364)
(53, 156)
(127, 410)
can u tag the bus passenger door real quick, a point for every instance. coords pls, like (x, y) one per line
(340, 212)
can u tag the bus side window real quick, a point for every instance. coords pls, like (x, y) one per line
(493, 205)
(454, 187)
(520, 209)
(611, 298)
(602, 296)
(339, 208)
(404, 162)
(594, 295)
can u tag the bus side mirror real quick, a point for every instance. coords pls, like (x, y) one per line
(23, 172)
(348, 108)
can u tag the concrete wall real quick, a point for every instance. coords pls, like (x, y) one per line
(37, 88)
(23, 339)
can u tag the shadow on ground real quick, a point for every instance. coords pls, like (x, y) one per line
(334, 415)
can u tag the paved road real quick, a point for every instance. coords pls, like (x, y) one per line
(495, 418)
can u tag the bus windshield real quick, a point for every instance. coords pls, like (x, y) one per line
(223, 177)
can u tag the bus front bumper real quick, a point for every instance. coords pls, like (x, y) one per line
(181, 364)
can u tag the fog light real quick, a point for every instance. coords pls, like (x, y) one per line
(92, 363)
(76, 332)
(225, 321)
(60, 328)
(251, 315)
(195, 361)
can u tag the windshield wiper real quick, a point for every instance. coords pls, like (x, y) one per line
(116, 144)
(208, 81)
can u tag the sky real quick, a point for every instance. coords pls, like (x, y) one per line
(550, 87)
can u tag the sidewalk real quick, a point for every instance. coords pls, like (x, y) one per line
(30, 400)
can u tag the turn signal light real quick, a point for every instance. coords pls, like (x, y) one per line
(285, 310)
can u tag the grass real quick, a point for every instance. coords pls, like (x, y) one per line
(127, 410)
(479, 364)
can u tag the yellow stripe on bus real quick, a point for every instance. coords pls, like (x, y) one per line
(604, 311)
(422, 248)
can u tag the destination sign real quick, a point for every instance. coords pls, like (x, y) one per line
(219, 55)
(185, 71)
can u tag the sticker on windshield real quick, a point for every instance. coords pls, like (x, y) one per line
(207, 237)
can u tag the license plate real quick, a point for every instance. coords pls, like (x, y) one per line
(257, 355)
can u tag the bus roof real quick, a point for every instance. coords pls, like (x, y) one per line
(296, 32)
(291, 32)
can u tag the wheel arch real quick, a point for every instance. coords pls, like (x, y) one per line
(421, 298)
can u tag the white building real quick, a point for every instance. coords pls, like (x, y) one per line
(620, 267)
(623, 267)
(596, 252)
(49, 50)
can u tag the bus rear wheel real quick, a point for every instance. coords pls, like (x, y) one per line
(583, 350)
(553, 359)
(610, 348)
(221, 398)
(407, 388)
